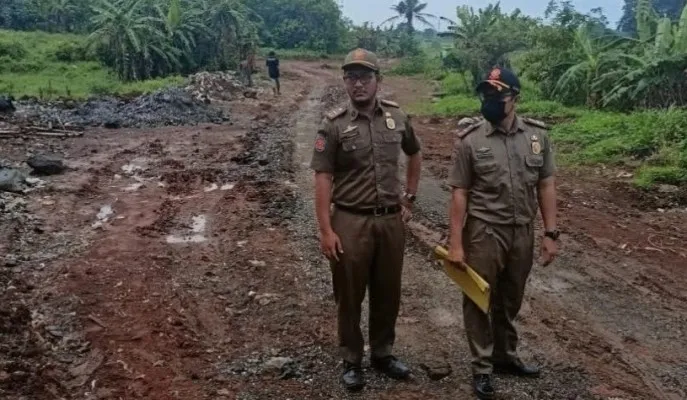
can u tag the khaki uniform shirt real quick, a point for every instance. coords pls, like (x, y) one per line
(502, 170)
(363, 155)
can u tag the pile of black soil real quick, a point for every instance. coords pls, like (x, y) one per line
(167, 107)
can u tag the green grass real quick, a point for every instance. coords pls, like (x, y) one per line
(653, 141)
(48, 66)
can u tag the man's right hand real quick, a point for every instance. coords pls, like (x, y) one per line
(331, 245)
(456, 255)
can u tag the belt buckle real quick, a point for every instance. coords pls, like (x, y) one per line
(378, 212)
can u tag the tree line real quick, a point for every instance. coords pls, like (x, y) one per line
(576, 58)
(573, 57)
(141, 39)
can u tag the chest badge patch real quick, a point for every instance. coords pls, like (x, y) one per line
(536, 147)
(320, 143)
(390, 123)
(483, 153)
(350, 128)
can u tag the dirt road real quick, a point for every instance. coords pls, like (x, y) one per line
(183, 263)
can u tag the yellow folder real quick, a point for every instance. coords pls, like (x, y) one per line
(473, 285)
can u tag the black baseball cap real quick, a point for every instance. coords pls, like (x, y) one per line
(500, 78)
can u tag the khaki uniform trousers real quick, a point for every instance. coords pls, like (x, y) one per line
(503, 256)
(372, 256)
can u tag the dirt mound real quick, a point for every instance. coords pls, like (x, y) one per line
(660, 197)
(166, 107)
(211, 86)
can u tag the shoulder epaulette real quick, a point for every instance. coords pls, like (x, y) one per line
(336, 113)
(535, 122)
(390, 103)
(467, 121)
(470, 129)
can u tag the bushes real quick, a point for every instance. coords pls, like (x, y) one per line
(73, 52)
(411, 66)
(11, 50)
(655, 140)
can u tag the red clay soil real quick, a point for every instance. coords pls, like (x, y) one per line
(183, 263)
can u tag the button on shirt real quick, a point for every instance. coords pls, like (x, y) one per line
(502, 170)
(363, 155)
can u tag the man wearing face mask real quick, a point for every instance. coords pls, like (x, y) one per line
(356, 158)
(503, 169)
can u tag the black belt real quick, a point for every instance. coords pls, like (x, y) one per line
(378, 212)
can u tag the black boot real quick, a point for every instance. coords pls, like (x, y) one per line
(391, 367)
(352, 377)
(481, 383)
(517, 368)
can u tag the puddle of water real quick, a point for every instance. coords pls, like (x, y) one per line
(211, 188)
(134, 187)
(199, 223)
(172, 239)
(105, 212)
(198, 230)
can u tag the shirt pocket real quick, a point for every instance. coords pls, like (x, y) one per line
(487, 174)
(354, 150)
(487, 166)
(533, 164)
(389, 147)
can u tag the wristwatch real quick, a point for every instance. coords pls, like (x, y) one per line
(409, 196)
(552, 234)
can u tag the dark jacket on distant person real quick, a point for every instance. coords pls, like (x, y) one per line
(272, 66)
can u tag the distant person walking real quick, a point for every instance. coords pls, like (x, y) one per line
(272, 63)
(247, 67)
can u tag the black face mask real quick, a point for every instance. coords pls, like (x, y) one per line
(494, 111)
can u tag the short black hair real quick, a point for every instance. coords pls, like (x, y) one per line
(271, 53)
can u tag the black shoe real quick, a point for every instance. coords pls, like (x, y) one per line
(391, 367)
(352, 377)
(517, 368)
(481, 383)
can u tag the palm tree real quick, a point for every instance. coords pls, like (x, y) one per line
(410, 10)
(182, 26)
(593, 56)
(133, 42)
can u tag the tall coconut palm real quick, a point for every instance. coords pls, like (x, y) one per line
(410, 11)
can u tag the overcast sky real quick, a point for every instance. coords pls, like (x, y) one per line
(377, 11)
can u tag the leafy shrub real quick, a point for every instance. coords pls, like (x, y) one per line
(72, 52)
(411, 66)
(12, 49)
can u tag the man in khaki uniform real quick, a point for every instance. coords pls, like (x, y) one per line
(503, 168)
(356, 159)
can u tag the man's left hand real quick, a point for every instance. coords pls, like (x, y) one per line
(549, 251)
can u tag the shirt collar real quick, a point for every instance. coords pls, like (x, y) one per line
(354, 113)
(518, 126)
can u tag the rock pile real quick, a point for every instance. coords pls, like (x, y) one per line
(212, 86)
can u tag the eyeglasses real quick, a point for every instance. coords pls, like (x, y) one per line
(364, 77)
